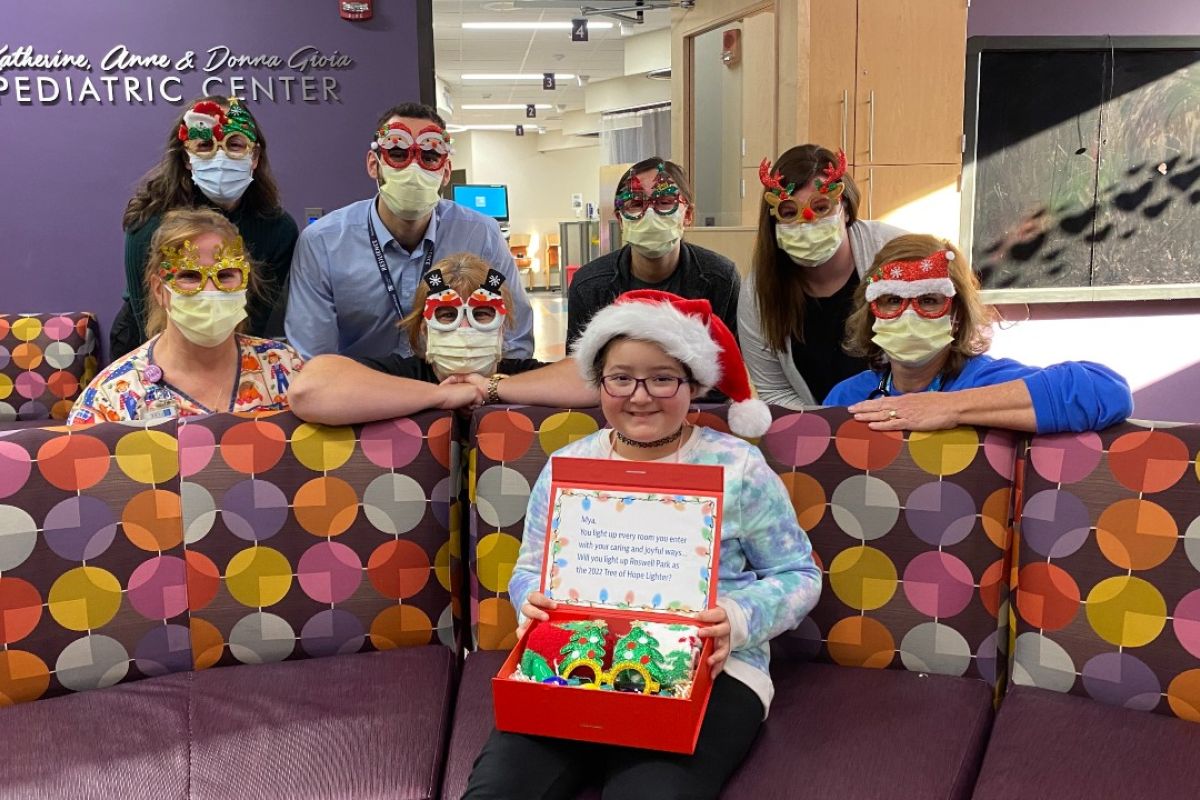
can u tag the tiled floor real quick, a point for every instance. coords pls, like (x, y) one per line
(549, 325)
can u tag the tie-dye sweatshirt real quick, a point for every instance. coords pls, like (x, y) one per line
(768, 581)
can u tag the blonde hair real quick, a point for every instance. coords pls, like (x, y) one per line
(464, 273)
(177, 227)
(972, 320)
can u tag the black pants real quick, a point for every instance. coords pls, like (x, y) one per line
(513, 766)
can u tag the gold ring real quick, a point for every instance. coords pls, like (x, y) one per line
(892, 413)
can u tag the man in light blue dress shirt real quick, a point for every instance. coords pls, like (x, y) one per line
(339, 300)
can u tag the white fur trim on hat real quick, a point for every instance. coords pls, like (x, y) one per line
(749, 418)
(877, 289)
(682, 336)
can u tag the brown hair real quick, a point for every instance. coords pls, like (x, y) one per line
(464, 273)
(177, 227)
(778, 283)
(169, 184)
(675, 172)
(972, 319)
(602, 357)
(412, 111)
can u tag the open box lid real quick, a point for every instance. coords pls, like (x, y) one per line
(637, 536)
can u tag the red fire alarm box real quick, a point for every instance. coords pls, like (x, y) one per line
(632, 546)
(356, 10)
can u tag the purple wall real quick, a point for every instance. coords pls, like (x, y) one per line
(1083, 18)
(1151, 343)
(67, 170)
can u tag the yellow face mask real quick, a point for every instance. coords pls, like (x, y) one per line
(911, 339)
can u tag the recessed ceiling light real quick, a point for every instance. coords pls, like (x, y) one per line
(500, 106)
(531, 26)
(514, 76)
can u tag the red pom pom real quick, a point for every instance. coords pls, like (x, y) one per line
(808, 214)
(645, 659)
(548, 640)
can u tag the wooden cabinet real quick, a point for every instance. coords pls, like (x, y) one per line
(911, 59)
(758, 82)
(833, 42)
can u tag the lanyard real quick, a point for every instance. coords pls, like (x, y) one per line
(384, 273)
(884, 389)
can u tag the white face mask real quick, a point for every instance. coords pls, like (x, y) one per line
(462, 351)
(913, 340)
(811, 244)
(654, 235)
(410, 193)
(207, 318)
(221, 178)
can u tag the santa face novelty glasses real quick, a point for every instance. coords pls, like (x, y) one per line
(398, 146)
(929, 306)
(632, 201)
(181, 268)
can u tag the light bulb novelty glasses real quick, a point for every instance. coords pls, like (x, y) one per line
(922, 284)
(632, 201)
(207, 128)
(820, 204)
(398, 146)
(445, 310)
(181, 268)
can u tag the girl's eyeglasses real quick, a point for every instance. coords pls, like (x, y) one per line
(660, 386)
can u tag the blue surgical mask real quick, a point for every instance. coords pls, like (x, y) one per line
(222, 179)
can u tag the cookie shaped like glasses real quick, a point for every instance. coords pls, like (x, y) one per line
(398, 146)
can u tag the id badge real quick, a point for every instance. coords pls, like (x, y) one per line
(161, 404)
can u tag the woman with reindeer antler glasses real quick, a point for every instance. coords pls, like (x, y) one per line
(810, 255)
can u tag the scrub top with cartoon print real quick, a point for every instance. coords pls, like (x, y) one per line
(124, 391)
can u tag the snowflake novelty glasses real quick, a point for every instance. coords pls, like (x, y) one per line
(236, 145)
(660, 386)
(229, 272)
(929, 306)
(398, 146)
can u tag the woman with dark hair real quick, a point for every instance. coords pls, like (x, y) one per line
(216, 157)
(921, 325)
(811, 252)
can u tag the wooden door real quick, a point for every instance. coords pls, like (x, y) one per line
(758, 88)
(831, 74)
(920, 198)
(909, 93)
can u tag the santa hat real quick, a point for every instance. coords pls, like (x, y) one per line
(929, 275)
(686, 330)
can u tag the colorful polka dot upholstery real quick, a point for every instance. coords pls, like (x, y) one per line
(911, 533)
(1107, 597)
(46, 360)
(92, 578)
(304, 541)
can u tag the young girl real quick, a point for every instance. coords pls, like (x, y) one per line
(456, 328)
(650, 353)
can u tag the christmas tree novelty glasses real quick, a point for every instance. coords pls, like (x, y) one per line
(399, 146)
(820, 204)
(229, 272)
(632, 201)
(208, 128)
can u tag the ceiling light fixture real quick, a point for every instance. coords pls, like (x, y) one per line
(454, 128)
(514, 76)
(501, 106)
(529, 26)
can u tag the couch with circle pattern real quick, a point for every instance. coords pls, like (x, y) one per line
(46, 360)
(155, 563)
(1002, 615)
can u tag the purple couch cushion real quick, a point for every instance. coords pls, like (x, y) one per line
(474, 720)
(846, 732)
(129, 741)
(369, 725)
(1047, 744)
(46, 360)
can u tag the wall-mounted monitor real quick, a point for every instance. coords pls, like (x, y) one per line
(491, 200)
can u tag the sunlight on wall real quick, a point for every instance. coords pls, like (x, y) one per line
(936, 213)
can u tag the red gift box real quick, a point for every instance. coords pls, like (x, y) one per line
(625, 541)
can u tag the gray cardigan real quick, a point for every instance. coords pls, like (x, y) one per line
(774, 373)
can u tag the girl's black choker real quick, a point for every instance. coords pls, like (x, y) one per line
(623, 439)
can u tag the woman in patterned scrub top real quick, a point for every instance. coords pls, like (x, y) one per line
(195, 362)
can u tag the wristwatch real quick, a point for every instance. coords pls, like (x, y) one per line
(493, 393)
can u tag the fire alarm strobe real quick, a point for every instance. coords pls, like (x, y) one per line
(355, 10)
